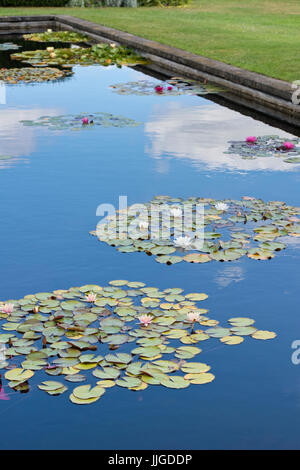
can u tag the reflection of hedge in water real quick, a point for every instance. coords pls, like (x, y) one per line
(74, 121)
(71, 335)
(173, 87)
(32, 75)
(266, 146)
(232, 229)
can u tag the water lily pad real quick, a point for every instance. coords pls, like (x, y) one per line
(195, 368)
(129, 382)
(232, 340)
(175, 381)
(199, 379)
(218, 332)
(187, 352)
(85, 392)
(243, 330)
(241, 321)
(19, 375)
(197, 258)
(75, 378)
(263, 334)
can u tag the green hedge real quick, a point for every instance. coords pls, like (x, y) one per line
(162, 3)
(33, 3)
(62, 3)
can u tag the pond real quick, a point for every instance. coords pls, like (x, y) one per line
(51, 186)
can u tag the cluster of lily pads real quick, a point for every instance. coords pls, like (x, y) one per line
(227, 230)
(5, 157)
(267, 146)
(56, 36)
(32, 75)
(72, 335)
(103, 54)
(9, 46)
(174, 87)
(81, 121)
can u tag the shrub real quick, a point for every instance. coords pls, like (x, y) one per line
(91, 3)
(162, 3)
(33, 3)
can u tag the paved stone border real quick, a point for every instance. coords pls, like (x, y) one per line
(268, 95)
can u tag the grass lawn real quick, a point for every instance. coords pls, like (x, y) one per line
(258, 35)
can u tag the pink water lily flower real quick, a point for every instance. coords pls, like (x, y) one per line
(159, 89)
(3, 395)
(7, 308)
(91, 298)
(85, 120)
(170, 88)
(288, 145)
(145, 319)
(251, 139)
(193, 316)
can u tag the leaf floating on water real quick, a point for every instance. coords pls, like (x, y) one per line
(241, 321)
(232, 340)
(175, 381)
(129, 382)
(86, 394)
(199, 379)
(197, 258)
(187, 352)
(106, 383)
(195, 368)
(19, 375)
(243, 330)
(218, 332)
(52, 387)
(196, 297)
(263, 334)
(75, 378)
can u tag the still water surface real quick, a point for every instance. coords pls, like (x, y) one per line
(49, 193)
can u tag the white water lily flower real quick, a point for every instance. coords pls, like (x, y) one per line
(143, 225)
(183, 242)
(2, 353)
(221, 206)
(193, 316)
(176, 212)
